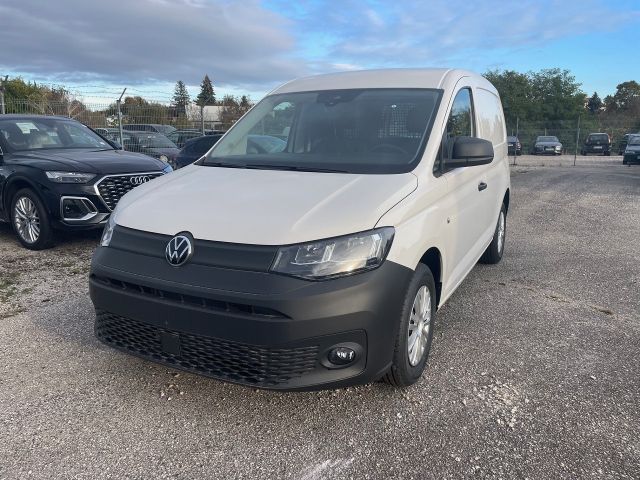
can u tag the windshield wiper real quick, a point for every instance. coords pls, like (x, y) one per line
(224, 164)
(294, 168)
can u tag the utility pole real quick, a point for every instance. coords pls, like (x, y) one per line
(515, 144)
(202, 119)
(2, 82)
(118, 102)
(575, 155)
(202, 113)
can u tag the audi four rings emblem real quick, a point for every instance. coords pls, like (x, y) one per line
(139, 180)
(179, 250)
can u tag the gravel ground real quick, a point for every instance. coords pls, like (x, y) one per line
(533, 373)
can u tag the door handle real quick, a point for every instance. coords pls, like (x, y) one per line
(481, 186)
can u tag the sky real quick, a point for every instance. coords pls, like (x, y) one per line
(250, 47)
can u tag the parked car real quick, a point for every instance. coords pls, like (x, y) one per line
(149, 127)
(57, 174)
(194, 149)
(197, 147)
(622, 144)
(514, 145)
(153, 144)
(632, 152)
(322, 264)
(597, 143)
(180, 137)
(107, 132)
(547, 145)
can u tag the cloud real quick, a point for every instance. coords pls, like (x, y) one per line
(439, 32)
(144, 41)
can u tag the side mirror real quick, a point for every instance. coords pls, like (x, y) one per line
(469, 152)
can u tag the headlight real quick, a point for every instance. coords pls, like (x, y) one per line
(108, 232)
(167, 169)
(164, 158)
(335, 257)
(69, 177)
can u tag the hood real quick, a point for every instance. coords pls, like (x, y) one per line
(265, 207)
(633, 148)
(548, 144)
(91, 161)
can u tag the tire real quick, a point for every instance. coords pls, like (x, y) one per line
(624, 162)
(607, 154)
(583, 153)
(30, 220)
(408, 365)
(495, 250)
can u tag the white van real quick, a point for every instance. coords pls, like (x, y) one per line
(313, 244)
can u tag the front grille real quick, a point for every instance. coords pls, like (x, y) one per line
(113, 187)
(190, 300)
(221, 359)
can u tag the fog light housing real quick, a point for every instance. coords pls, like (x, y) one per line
(342, 356)
(77, 209)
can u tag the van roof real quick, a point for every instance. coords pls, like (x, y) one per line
(382, 78)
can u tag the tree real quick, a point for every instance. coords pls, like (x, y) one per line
(206, 96)
(627, 95)
(181, 98)
(515, 92)
(594, 104)
(245, 104)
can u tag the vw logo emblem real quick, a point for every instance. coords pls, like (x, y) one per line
(179, 250)
(139, 180)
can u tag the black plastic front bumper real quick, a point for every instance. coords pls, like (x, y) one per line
(249, 327)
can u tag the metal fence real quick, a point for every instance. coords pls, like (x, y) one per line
(132, 111)
(572, 133)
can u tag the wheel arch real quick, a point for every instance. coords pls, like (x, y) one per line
(432, 258)
(505, 200)
(18, 182)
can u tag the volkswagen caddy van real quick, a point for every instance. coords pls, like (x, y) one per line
(320, 259)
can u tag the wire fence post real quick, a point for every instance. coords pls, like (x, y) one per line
(517, 140)
(118, 102)
(2, 81)
(575, 155)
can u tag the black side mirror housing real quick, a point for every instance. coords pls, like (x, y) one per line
(469, 152)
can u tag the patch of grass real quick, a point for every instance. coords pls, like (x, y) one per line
(8, 286)
(600, 309)
(12, 313)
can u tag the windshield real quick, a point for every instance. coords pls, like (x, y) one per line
(547, 139)
(634, 140)
(354, 131)
(154, 140)
(22, 134)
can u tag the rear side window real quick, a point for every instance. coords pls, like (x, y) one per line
(489, 115)
(459, 124)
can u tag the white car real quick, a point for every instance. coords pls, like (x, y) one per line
(320, 262)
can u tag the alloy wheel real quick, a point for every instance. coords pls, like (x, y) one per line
(419, 326)
(501, 229)
(27, 220)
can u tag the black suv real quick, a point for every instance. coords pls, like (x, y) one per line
(56, 173)
(632, 152)
(597, 143)
(514, 145)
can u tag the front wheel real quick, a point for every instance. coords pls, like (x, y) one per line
(493, 253)
(415, 332)
(30, 220)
